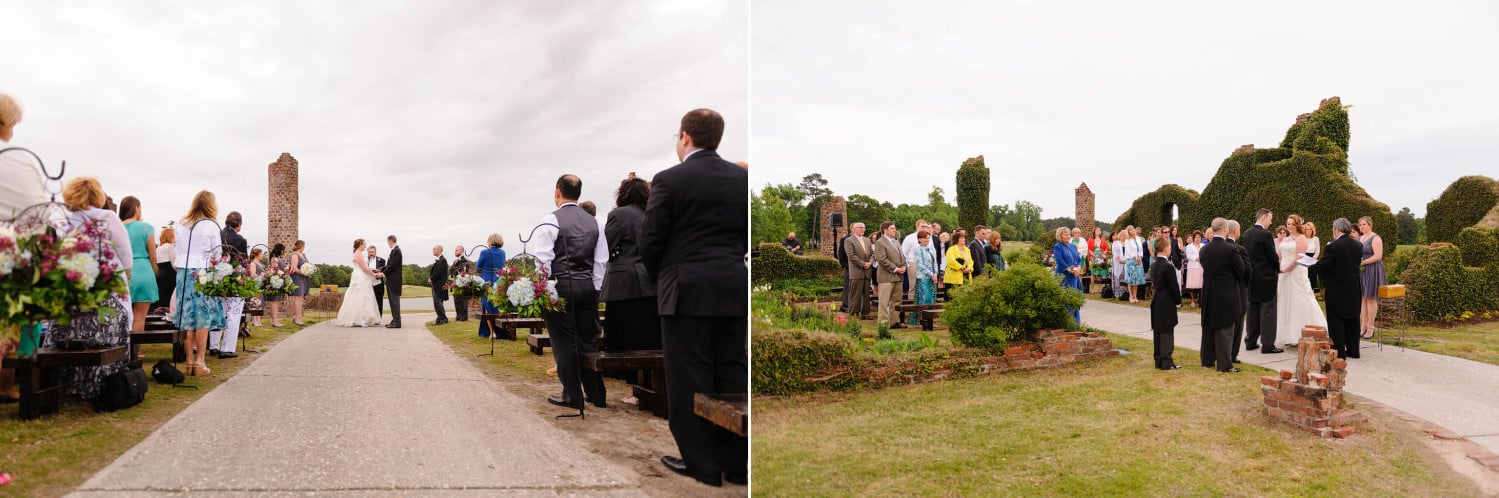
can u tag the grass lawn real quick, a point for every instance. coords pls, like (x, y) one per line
(52, 455)
(1113, 427)
(513, 357)
(415, 291)
(1477, 342)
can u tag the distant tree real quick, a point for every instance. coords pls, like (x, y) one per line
(1052, 224)
(789, 195)
(866, 209)
(1026, 218)
(1006, 231)
(997, 214)
(1409, 231)
(770, 219)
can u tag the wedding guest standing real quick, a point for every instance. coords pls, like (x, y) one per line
(298, 258)
(376, 264)
(491, 261)
(1194, 266)
(461, 266)
(1371, 275)
(1233, 236)
(629, 292)
(860, 262)
(693, 244)
(1313, 249)
(1119, 276)
(222, 343)
(573, 247)
(143, 289)
(1134, 263)
(273, 302)
(1080, 244)
(197, 313)
(978, 247)
(889, 272)
(21, 182)
(1163, 303)
(438, 279)
(1223, 301)
(926, 275)
(996, 250)
(256, 268)
(85, 199)
(960, 262)
(1069, 266)
(166, 275)
(1341, 279)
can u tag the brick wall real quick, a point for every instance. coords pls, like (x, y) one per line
(1085, 219)
(828, 242)
(281, 223)
(1311, 398)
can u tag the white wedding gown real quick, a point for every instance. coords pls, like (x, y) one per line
(358, 309)
(1295, 304)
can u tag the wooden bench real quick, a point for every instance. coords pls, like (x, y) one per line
(155, 337)
(729, 411)
(915, 308)
(929, 318)
(38, 377)
(538, 343)
(650, 367)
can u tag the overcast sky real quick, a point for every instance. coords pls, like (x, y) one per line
(887, 98)
(440, 122)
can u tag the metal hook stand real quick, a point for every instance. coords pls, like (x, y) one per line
(62, 169)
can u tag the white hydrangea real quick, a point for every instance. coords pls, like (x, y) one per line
(277, 282)
(520, 292)
(223, 269)
(8, 262)
(83, 264)
(552, 289)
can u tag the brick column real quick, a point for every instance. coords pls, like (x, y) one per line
(1085, 220)
(282, 202)
(829, 241)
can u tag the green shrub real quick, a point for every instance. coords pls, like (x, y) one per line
(896, 346)
(1152, 209)
(1461, 205)
(807, 287)
(973, 193)
(1480, 245)
(792, 361)
(775, 263)
(1008, 306)
(1395, 264)
(1438, 285)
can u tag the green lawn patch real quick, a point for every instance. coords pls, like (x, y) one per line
(1475, 341)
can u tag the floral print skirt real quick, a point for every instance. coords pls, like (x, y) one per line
(196, 311)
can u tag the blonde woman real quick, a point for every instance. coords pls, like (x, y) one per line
(197, 313)
(1134, 267)
(85, 198)
(959, 261)
(303, 281)
(21, 183)
(1371, 274)
(166, 275)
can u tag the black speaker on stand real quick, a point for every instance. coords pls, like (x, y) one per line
(835, 220)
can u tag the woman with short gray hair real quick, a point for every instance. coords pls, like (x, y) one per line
(21, 182)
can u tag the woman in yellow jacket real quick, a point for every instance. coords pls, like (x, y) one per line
(959, 261)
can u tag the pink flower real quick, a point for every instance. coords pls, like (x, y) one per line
(74, 275)
(842, 319)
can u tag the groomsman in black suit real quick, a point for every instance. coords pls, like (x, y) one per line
(393, 273)
(572, 245)
(1233, 237)
(1339, 271)
(378, 264)
(1264, 267)
(438, 279)
(460, 266)
(843, 262)
(696, 225)
(1223, 273)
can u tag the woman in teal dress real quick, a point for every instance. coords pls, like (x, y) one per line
(143, 289)
(926, 272)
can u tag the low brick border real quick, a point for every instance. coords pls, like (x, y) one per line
(1311, 398)
(1052, 348)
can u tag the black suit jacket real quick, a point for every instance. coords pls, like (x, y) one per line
(393, 273)
(1264, 263)
(1338, 270)
(1167, 295)
(461, 265)
(696, 235)
(1223, 271)
(232, 238)
(379, 283)
(627, 278)
(978, 254)
(843, 256)
(439, 276)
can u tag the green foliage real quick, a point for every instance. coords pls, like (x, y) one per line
(1050, 225)
(863, 208)
(1396, 263)
(1461, 205)
(1153, 209)
(973, 193)
(1480, 245)
(1409, 230)
(805, 287)
(770, 219)
(775, 263)
(1439, 286)
(886, 346)
(1009, 305)
(1006, 232)
(791, 361)
(1026, 218)
(1309, 179)
(331, 275)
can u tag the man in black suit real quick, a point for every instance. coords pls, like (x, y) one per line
(438, 279)
(978, 248)
(1233, 237)
(1223, 271)
(572, 245)
(843, 262)
(461, 265)
(1339, 271)
(1264, 269)
(392, 272)
(694, 245)
(378, 264)
(222, 343)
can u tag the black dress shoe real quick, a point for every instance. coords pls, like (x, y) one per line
(225, 356)
(1173, 367)
(393, 325)
(1273, 351)
(1251, 347)
(1229, 371)
(213, 352)
(563, 402)
(679, 466)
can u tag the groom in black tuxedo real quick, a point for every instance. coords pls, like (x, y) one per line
(378, 264)
(1264, 275)
(1339, 271)
(392, 272)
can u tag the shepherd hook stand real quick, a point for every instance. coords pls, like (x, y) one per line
(523, 240)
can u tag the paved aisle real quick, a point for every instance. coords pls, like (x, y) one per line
(370, 411)
(1460, 395)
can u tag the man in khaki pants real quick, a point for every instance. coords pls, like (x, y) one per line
(892, 267)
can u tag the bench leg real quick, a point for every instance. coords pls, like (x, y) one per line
(658, 382)
(26, 380)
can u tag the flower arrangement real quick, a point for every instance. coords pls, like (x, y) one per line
(226, 277)
(307, 269)
(49, 276)
(466, 284)
(276, 282)
(1100, 262)
(524, 289)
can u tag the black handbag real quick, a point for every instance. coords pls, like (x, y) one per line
(122, 390)
(167, 373)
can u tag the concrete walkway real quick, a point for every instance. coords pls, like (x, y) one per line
(1458, 394)
(356, 412)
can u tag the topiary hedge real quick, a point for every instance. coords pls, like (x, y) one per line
(1009, 305)
(1461, 205)
(792, 361)
(1480, 245)
(1310, 178)
(775, 263)
(1150, 209)
(1438, 286)
(973, 193)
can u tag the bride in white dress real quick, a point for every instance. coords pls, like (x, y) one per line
(358, 309)
(1295, 304)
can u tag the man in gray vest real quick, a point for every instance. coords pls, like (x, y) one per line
(573, 250)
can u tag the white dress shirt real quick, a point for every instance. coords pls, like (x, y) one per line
(546, 237)
(204, 238)
(21, 182)
(908, 249)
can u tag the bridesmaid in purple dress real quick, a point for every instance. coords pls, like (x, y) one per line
(1371, 276)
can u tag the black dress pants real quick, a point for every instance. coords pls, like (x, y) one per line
(705, 355)
(1262, 325)
(633, 325)
(1165, 343)
(1344, 334)
(380, 299)
(460, 308)
(438, 301)
(575, 330)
